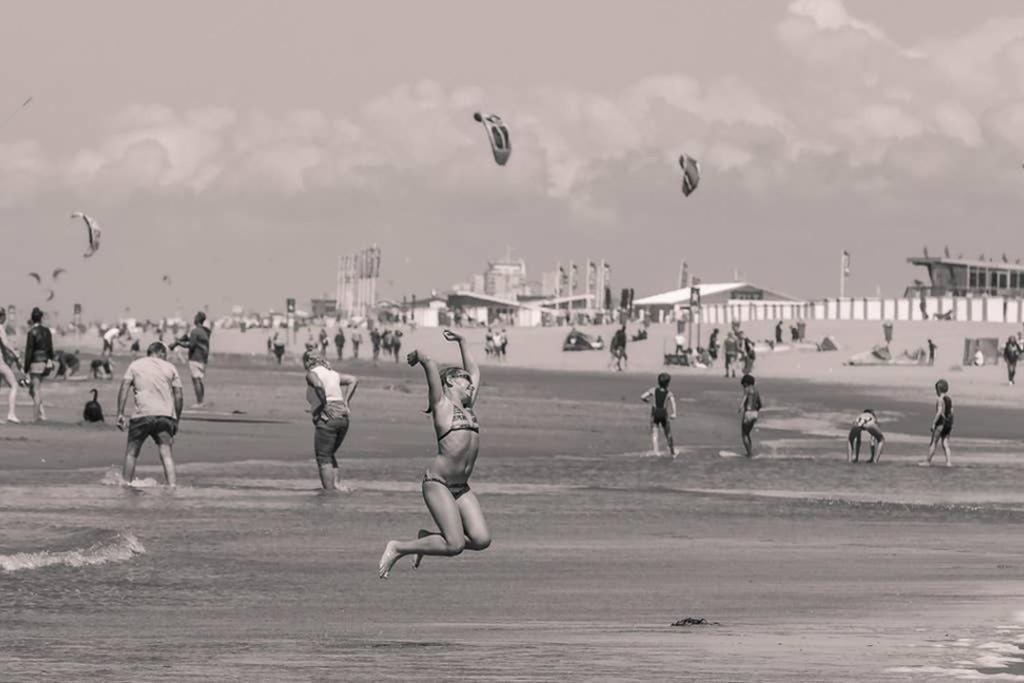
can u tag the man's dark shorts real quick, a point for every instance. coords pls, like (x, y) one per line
(158, 427)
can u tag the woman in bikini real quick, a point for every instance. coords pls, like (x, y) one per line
(455, 509)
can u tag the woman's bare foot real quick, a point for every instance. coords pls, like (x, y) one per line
(387, 560)
(419, 556)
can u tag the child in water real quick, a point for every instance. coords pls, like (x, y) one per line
(456, 511)
(865, 422)
(942, 423)
(750, 410)
(659, 411)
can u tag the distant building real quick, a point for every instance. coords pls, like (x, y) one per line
(505, 278)
(963, 277)
(478, 284)
(740, 296)
(323, 308)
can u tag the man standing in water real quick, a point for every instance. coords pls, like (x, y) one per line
(156, 388)
(198, 344)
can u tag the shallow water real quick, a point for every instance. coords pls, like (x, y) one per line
(247, 571)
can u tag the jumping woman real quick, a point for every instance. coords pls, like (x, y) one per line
(455, 509)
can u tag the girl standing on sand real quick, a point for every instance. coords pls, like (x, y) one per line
(456, 511)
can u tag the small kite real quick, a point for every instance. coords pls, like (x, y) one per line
(497, 134)
(57, 273)
(691, 174)
(50, 294)
(166, 279)
(93, 230)
(36, 277)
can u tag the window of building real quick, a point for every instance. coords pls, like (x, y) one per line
(1014, 282)
(1003, 280)
(973, 279)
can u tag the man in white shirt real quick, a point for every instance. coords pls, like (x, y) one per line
(156, 389)
(108, 340)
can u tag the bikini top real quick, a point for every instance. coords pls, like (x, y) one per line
(463, 419)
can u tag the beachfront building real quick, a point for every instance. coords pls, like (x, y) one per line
(431, 311)
(505, 278)
(470, 308)
(967, 277)
(721, 302)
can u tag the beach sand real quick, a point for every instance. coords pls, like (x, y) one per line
(813, 569)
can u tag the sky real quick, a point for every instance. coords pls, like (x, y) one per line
(241, 147)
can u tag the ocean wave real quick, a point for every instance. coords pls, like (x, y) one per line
(83, 550)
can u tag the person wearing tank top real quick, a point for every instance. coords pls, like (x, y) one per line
(452, 395)
(942, 424)
(329, 394)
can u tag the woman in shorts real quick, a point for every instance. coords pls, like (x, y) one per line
(38, 360)
(329, 394)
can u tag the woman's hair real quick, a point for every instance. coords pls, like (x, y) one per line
(663, 379)
(311, 359)
(449, 375)
(747, 381)
(942, 386)
(37, 315)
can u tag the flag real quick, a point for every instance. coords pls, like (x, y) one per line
(846, 263)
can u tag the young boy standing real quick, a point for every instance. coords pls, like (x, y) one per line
(659, 411)
(942, 423)
(750, 410)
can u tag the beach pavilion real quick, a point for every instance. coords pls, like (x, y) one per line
(721, 302)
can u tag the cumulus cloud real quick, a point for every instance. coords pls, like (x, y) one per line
(863, 100)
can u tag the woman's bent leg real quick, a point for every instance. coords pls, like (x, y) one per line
(478, 536)
(450, 542)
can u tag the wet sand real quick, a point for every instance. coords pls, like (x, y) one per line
(813, 569)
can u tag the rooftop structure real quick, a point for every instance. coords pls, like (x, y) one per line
(962, 277)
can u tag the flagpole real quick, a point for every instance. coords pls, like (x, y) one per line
(842, 274)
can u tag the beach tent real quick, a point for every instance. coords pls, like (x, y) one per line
(579, 341)
(989, 347)
(828, 344)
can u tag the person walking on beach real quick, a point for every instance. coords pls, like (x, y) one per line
(396, 343)
(931, 351)
(731, 354)
(750, 410)
(198, 344)
(38, 360)
(660, 416)
(713, 345)
(329, 394)
(778, 332)
(749, 354)
(9, 368)
(323, 342)
(1011, 354)
(157, 392)
(375, 340)
(456, 511)
(865, 422)
(357, 339)
(339, 342)
(942, 423)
